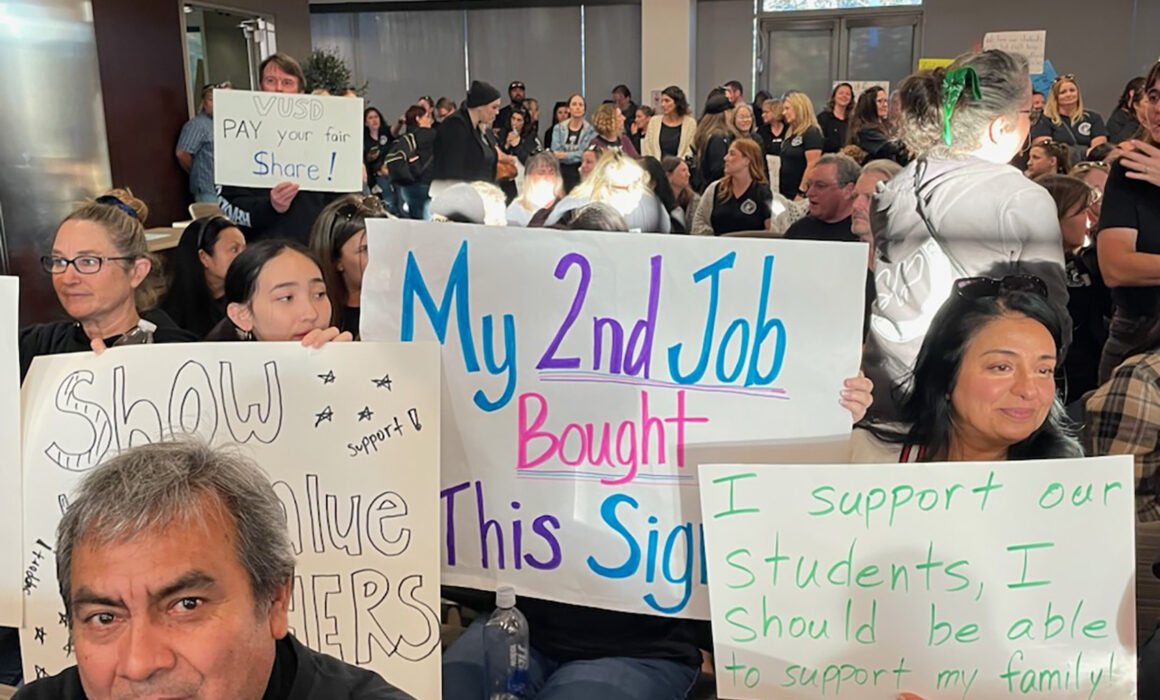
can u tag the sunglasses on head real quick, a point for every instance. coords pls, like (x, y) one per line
(1066, 76)
(981, 287)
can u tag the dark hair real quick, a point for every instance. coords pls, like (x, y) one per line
(556, 110)
(646, 109)
(189, 302)
(1153, 76)
(336, 224)
(685, 196)
(1133, 93)
(596, 216)
(926, 405)
(242, 278)
(659, 180)
(736, 85)
(444, 103)
(761, 97)
(1100, 153)
(428, 99)
(383, 126)
(1069, 192)
(1003, 86)
(287, 64)
(1037, 92)
(1059, 151)
(623, 91)
(523, 113)
(865, 113)
(834, 94)
(411, 116)
(677, 95)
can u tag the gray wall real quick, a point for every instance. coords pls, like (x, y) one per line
(724, 47)
(226, 55)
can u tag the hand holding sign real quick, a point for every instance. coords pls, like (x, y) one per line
(282, 196)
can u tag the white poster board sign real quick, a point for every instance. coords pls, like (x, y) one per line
(949, 580)
(11, 554)
(348, 434)
(586, 374)
(263, 138)
(861, 86)
(1031, 44)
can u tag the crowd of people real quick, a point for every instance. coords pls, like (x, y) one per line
(1012, 287)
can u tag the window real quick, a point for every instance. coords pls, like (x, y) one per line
(791, 5)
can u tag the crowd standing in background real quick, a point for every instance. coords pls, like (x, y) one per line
(997, 217)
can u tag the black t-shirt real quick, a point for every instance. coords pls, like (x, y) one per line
(670, 139)
(833, 131)
(771, 141)
(573, 137)
(1080, 134)
(745, 213)
(793, 159)
(1133, 204)
(811, 229)
(1089, 304)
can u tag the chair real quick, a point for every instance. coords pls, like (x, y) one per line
(199, 210)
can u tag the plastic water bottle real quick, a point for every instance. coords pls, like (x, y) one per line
(505, 649)
(141, 335)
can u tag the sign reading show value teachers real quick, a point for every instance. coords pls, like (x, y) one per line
(958, 580)
(264, 138)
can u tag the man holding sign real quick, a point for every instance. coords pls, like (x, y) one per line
(286, 210)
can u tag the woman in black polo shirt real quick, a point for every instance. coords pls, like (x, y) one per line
(802, 146)
(1066, 121)
(739, 201)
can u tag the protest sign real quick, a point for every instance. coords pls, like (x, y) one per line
(1031, 44)
(264, 138)
(11, 594)
(349, 437)
(861, 86)
(585, 374)
(932, 63)
(956, 580)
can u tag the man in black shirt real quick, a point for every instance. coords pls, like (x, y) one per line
(176, 570)
(516, 92)
(830, 190)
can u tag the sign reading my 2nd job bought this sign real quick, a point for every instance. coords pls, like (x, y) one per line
(264, 138)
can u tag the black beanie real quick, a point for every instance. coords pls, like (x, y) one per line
(481, 93)
(717, 104)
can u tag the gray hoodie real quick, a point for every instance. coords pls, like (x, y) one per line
(990, 221)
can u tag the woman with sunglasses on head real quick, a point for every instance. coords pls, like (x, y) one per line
(339, 243)
(106, 281)
(957, 210)
(196, 297)
(275, 291)
(1047, 157)
(983, 385)
(1066, 121)
(1129, 235)
(1089, 301)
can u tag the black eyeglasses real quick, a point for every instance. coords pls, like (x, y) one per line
(980, 287)
(84, 264)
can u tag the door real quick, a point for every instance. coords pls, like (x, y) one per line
(811, 51)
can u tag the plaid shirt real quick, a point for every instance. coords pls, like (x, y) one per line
(197, 140)
(1123, 418)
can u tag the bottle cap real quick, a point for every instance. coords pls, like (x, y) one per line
(147, 326)
(505, 597)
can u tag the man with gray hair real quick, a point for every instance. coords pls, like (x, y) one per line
(176, 570)
(830, 190)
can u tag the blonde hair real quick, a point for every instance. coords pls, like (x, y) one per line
(803, 114)
(1051, 107)
(604, 121)
(756, 157)
(126, 232)
(613, 171)
(733, 120)
(710, 125)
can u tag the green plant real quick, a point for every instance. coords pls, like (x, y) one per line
(327, 70)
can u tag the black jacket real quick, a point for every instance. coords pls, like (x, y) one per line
(461, 150)
(59, 337)
(251, 210)
(298, 674)
(877, 145)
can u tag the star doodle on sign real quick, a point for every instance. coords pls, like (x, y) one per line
(41, 672)
(325, 414)
(62, 619)
(365, 414)
(68, 646)
(384, 383)
(327, 378)
(40, 634)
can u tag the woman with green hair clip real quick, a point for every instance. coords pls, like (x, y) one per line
(957, 210)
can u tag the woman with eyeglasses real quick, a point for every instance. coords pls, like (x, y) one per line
(106, 281)
(1047, 157)
(957, 210)
(339, 243)
(276, 291)
(1089, 301)
(196, 297)
(1129, 235)
(868, 129)
(983, 386)
(1066, 121)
